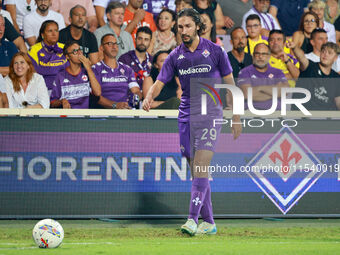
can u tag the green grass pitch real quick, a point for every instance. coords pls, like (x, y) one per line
(255, 236)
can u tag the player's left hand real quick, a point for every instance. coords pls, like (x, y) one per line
(236, 129)
(85, 61)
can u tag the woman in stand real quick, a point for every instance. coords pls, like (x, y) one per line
(301, 38)
(210, 29)
(24, 87)
(47, 54)
(164, 38)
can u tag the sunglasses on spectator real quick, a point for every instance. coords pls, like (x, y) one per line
(75, 51)
(307, 21)
(28, 8)
(111, 43)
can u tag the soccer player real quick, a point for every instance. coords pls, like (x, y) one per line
(195, 51)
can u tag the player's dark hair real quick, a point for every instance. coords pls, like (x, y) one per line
(104, 36)
(144, 29)
(253, 17)
(75, 7)
(114, 5)
(316, 31)
(232, 31)
(177, 2)
(277, 31)
(68, 45)
(196, 17)
(43, 28)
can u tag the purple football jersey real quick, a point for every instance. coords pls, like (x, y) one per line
(75, 88)
(207, 61)
(48, 63)
(115, 83)
(272, 76)
(141, 69)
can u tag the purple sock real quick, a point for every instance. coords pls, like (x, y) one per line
(206, 211)
(198, 191)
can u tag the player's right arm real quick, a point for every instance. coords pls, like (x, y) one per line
(152, 93)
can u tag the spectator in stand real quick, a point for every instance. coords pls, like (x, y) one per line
(63, 7)
(318, 6)
(73, 85)
(164, 38)
(33, 21)
(18, 10)
(24, 87)
(309, 21)
(136, 17)
(332, 11)
(140, 60)
(238, 58)
(116, 79)
(169, 97)
(261, 7)
(319, 38)
(253, 25)
(287, 63)
(209, 32)
(288, 13)
(47, 54)
(213, 8)
(262, 78)
(319, 78)
(182, 4)
(13, 36)
(115, 15)
(7, 49)
(76, 32)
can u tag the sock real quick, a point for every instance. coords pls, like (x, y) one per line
(207, 211)
(198, 191)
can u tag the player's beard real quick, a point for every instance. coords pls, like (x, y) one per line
(191, 39)
(260, 66)
(43, 10)
(240, 48)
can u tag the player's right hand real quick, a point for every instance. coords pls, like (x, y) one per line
(139, 15)
(147, 104)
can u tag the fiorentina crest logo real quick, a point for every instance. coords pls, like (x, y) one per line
(284, 169)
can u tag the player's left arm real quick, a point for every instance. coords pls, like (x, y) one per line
(236, 128)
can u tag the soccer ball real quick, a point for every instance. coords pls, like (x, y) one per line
(48, 233)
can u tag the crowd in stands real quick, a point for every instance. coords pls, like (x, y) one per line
(108, 53)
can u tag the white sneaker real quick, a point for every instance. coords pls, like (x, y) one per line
(190, 227)
(206, 228)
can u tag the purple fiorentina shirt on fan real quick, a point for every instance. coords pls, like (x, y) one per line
(76, 89)
(48, 63)
(115, 83)
(207, 61)
(141, 69)
(272, 76)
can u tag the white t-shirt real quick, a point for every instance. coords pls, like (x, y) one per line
(267, 20)
(36, 93)
(336, 65)
(33, 21)
(2, 85)
(21, 9)
(7, 15)
(330, 29)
